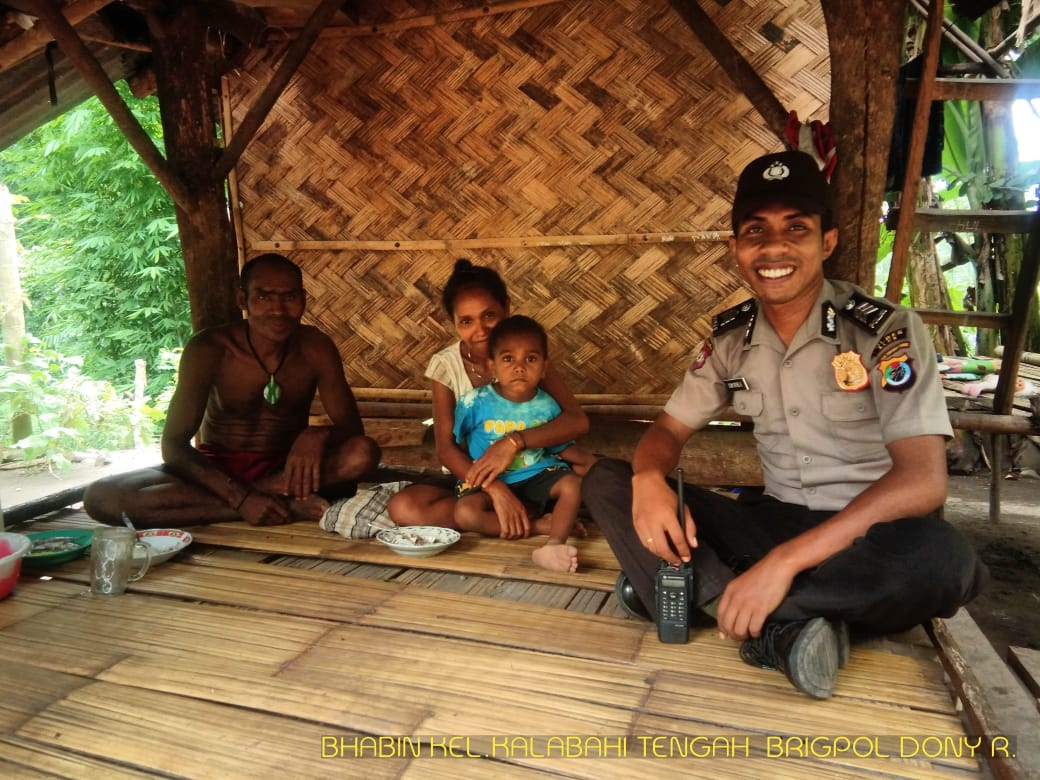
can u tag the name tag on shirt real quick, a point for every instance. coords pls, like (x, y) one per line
(736, 383)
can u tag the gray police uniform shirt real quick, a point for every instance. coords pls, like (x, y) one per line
(860, 373)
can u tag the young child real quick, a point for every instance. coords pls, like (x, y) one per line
(518, 348)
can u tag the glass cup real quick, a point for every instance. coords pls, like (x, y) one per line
(111, 553)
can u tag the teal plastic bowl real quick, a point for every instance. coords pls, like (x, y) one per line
(50, 548)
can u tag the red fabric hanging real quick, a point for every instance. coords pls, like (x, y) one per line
(814, 138)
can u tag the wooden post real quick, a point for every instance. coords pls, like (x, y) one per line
(188, 84)
(140, 381)
(865, 53)
(1017, 332)
(915, 153)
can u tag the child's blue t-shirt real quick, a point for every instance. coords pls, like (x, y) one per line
(482, 417)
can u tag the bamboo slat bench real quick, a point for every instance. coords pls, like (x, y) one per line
(262, 652)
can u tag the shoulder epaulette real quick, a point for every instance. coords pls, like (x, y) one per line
(869, 313)
(734, 316)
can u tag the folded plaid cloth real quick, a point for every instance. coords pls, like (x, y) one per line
(364, 514)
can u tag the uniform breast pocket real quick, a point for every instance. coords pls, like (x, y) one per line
(853, 417)
(748, 402)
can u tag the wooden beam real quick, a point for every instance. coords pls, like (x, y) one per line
(492, 242)
(96, 78)
(997, 706)
(915, 154)
(994, 423)
(1029, 358)
(256, 115)
(978, 89)
(740, 71)
(929, 220)
(34, 40)
(710, 457)
(144, 48)
(965, 319)
(432, 20)
(24, 512)
(1026, 663)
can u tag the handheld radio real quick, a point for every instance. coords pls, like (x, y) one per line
(673, 588)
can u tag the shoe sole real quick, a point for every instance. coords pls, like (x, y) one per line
(619, 596)
(841, 632)
(812, 662)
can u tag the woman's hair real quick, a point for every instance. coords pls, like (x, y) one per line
(466, 276)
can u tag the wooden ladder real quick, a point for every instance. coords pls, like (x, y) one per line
(1011, 324)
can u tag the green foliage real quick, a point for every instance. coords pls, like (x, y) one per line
(103, 272)
(964, 153)
(68, 411)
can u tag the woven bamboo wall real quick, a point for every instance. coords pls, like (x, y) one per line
(597, 124)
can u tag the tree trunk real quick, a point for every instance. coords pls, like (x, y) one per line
(928, 285)
(10, 283)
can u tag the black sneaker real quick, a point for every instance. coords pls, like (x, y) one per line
(628, 599)
(807, 652)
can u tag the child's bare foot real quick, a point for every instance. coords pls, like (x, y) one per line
(310, 508)
(556, 557)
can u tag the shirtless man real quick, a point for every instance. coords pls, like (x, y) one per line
(244, 392)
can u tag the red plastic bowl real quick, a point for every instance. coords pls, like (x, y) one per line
(13, 547)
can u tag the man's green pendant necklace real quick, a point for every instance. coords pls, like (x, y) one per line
(272, 390)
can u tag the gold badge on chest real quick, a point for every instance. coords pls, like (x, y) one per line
(849, 371)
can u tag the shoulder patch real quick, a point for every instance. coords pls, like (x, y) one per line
(891, 343)
(740, 314)
(869, 313)
(703, 353)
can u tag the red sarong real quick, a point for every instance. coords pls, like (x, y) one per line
(244, 466)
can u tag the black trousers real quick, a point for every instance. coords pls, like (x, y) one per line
(899, 574)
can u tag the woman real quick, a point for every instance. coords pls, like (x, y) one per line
(475, 299)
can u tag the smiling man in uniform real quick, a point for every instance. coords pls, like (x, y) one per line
(850, 423)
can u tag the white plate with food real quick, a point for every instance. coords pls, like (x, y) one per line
(164, 543)
(418, 541)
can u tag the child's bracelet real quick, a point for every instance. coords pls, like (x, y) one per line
(517, 440)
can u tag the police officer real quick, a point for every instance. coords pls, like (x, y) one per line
(850, 424)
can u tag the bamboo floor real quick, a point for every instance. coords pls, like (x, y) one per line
(293, 652)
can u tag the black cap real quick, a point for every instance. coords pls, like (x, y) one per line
(786, 178)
